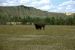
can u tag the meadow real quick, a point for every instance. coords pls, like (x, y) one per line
(26, 37)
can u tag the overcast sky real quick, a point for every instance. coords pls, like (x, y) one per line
(46, 5)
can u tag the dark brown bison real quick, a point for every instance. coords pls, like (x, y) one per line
(39, 26)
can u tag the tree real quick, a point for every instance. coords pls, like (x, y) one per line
(47, 20)
(3, 20)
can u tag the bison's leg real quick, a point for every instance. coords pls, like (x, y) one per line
(40, 27)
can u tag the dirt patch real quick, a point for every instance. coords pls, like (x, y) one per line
(26, 37)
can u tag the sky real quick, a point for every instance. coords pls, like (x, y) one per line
(46, 5)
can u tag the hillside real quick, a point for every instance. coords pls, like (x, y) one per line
(26, 11)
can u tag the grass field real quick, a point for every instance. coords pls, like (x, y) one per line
(26, 37)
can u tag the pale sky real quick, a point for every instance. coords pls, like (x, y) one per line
(46, 5)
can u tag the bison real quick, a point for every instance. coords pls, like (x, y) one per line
(39, 26)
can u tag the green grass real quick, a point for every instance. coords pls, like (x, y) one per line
(26, 37)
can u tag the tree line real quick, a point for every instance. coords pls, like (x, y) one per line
(58, 20)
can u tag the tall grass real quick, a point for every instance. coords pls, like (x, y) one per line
(26, 37)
